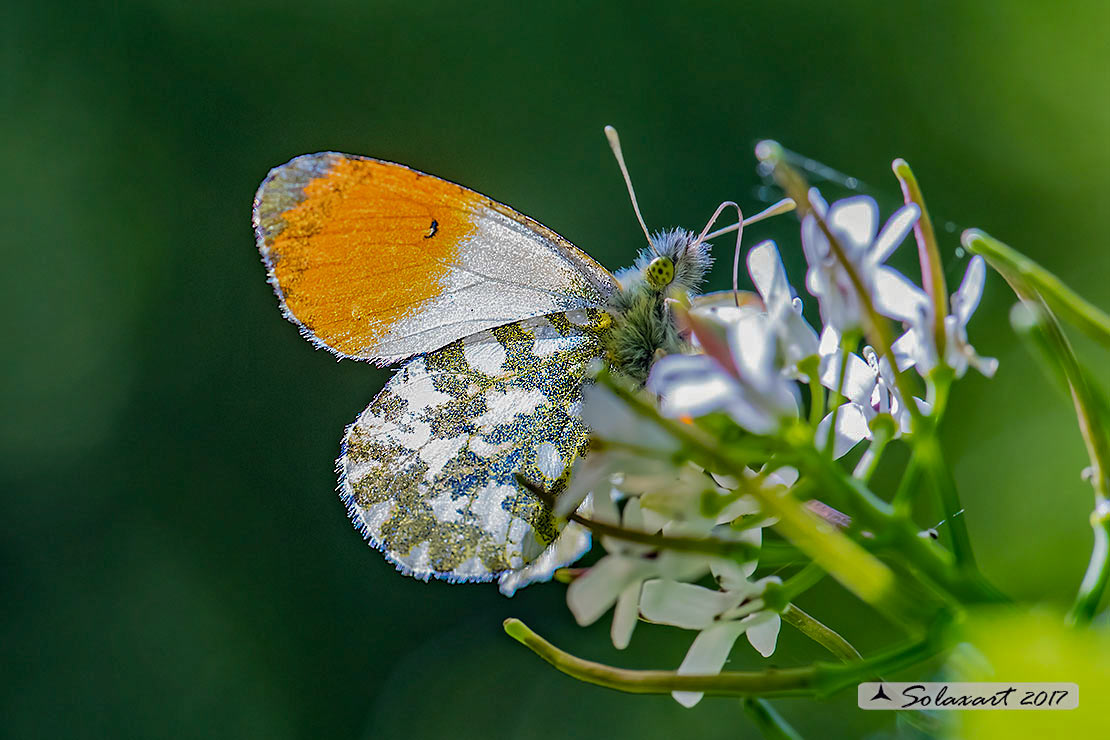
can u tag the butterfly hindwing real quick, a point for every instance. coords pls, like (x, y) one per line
(428, 469)
(377, 261)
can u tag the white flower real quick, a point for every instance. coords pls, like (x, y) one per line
(797, 339)
(916, 346)
(743, 378)
(854, 223)
(616, 579)
(611, 419)
(720, 616)
(869, 386)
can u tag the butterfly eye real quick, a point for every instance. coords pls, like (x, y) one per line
(660, 272)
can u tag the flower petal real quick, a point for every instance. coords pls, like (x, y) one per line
(763, 632)
(709, 327)
(753, 349)
(684, 604)
(785, 476)
(681, 566)
(589, 472)
(733, 576)
(859, 377)
(751, 417)
(817, 201)
(743, 506)
(591, 595)
(851, 428)
(909, 350)
(815, 245)
(707, 656)
(987, 366)
(898, 298)
(857, 218)
(690, 385)
(967, 296)
(769, 275)
(625, 615)
(830, 342)
(610, 418)
(602, 504)
(894, 233)
(753, 536)
(797, 338)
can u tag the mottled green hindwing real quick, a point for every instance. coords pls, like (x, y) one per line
(428, 469)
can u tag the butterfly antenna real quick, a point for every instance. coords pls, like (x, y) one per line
(615, 145)
(783, 206)
(738, 227)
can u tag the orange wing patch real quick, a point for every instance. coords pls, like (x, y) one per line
(376, 261)
(370, 243)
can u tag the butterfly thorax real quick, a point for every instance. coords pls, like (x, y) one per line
(643, 327)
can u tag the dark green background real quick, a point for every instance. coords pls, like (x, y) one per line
(174, 560)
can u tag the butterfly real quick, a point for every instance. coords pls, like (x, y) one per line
(496, 321)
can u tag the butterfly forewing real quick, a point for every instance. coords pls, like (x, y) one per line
(428, 469)
(377, 261)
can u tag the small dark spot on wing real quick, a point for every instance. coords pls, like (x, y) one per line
(432, 229)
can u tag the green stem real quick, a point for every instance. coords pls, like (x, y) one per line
(778, 597)
(903, 496)
(902, 535)
(868, 463)
(771, 682)
(770, 723)
(933, 459)
(1088, 318)
(859, 571)
(741, 551)
(1098, 573)
(819, 633)
(816, 399)
(940, 385)
(818, 679)
(1034, 286)
(877, 326)
(836, 399)
(776, 554)
(932, 271)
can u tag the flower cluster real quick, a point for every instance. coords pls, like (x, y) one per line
(755, 364)
(749, 463)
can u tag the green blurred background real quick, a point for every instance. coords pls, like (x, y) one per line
(174, 560)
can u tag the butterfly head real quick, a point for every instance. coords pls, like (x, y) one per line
(675, 259)
(673, 266)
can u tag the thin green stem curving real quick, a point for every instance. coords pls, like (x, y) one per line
(869, 462)
(932, 270)
(932, 459)
(779, 596)
(824, 636)
(1073, 308)
(818, 679)
(907, 487)
(1038, 289)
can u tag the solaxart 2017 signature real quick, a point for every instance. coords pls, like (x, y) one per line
(938, 695)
